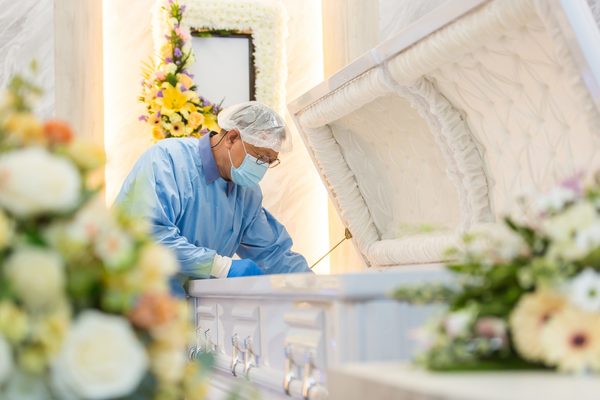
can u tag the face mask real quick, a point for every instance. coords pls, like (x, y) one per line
(249, 173)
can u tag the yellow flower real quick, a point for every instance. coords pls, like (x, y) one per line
(168, 364)
(166, 50)
(528, 320)
(33, 359)
(25, 127)
(86, 155)
(571, 341)
(150, 95)
(175, 118)
(51, 330)
(191, 95)
(155, 264)
(210, 123)
(195, 386)
(158, 133)
(14, 324)
(195, 119)
(185, 80)
(178, 129)
(173, 99)
(154, 119)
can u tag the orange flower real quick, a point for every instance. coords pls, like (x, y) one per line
(158, 133)
(57, 131)
(154, 309)
(185, 80)
(195, 119)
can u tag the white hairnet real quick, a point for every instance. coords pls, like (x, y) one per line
(258, 125)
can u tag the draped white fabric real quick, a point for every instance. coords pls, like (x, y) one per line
(27, 33)
(293, 191)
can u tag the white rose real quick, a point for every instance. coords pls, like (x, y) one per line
(36, 274)
(562, 226)
(115, 248)
(589, 238)
(170, 68)
(35, 181)
(495, 243)
(584, 290)
(6, 361)
(101, 358)
(555, 200)
(457, 323)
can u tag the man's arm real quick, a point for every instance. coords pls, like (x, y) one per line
(267, 242)
(151, 191)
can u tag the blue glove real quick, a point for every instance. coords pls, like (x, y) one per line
(245, 267)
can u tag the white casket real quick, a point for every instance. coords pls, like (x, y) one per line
(428, 134)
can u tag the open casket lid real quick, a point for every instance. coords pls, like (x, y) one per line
(440, 127)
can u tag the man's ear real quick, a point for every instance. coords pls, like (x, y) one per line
(232, 137)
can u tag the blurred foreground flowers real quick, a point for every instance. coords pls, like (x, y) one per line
(527, 292)
(85, 309)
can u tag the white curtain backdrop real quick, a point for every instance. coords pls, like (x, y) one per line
(26, 34)
(293, 191)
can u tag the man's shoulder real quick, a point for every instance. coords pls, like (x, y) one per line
(176, 145)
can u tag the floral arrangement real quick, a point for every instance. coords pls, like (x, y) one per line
(527, 291)
(266, 20)
(173, 108)
(85, 308)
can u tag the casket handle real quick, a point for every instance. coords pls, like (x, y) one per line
(234, 353)
(308, 380)
(249, 356)
(289, 369)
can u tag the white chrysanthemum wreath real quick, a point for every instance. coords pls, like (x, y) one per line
(265, 20)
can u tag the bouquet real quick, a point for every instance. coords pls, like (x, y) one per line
(85, 308)
(173, 108)
(527, 291)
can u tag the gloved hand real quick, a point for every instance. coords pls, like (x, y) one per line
(244, 267)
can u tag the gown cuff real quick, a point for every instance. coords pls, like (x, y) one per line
(220, 266)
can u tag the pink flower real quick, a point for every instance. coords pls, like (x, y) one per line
(160, 75)
(182, 34)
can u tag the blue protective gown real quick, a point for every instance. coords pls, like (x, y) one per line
(193, 210)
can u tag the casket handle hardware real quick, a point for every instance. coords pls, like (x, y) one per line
(290, 367)
(308, 381)
(234, 353)
(249, 356)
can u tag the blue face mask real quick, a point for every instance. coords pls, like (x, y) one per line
(250, 172)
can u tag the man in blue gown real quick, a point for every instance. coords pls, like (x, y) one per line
(203, 200)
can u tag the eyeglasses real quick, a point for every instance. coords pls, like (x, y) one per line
(262, 160)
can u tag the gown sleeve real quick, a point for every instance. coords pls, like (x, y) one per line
(152, 191)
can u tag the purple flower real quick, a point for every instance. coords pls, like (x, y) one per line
(206, 103)
(169, 60)
(159, 94)
(143, 118)
(177, 53)
(182, 8)
(159, 114)
(182, 88)
(574, 183)
(204, 131)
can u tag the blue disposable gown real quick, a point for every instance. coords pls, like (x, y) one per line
(193, 210)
